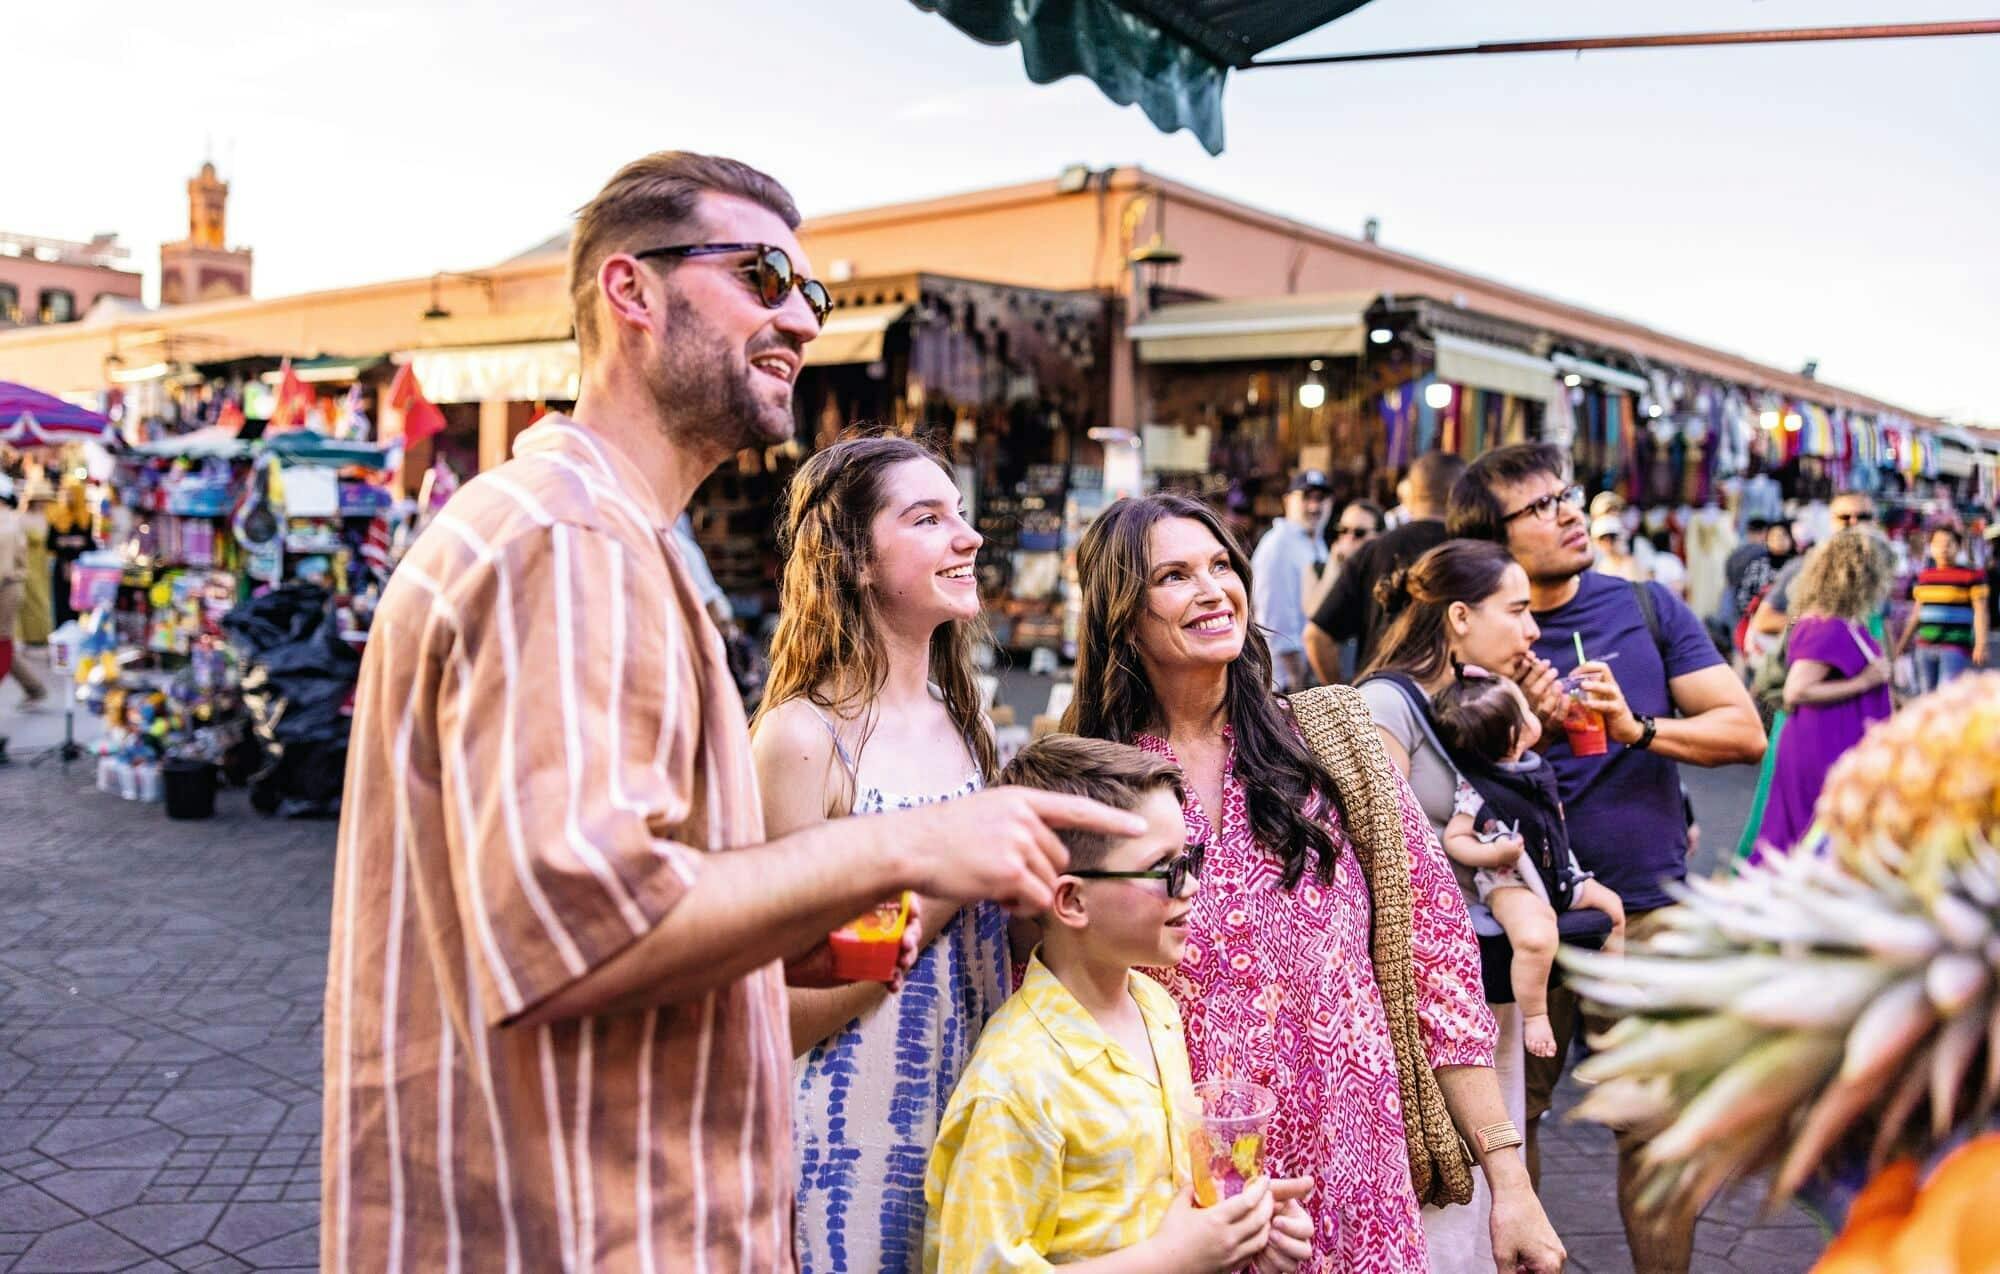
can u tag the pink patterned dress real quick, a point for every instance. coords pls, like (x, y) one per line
(1277, 987)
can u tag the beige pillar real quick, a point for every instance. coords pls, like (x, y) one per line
(493, 433)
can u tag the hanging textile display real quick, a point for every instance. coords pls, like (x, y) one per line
(1398, 409)
(1559, 420)
(1428, 424)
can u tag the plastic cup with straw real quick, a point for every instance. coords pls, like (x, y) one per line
(1582, 723)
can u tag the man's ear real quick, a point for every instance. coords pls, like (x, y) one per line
(627, 291)
(1068, 908)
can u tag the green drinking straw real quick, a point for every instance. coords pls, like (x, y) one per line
(1578, 637)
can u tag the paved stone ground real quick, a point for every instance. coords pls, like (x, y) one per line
(160, 991)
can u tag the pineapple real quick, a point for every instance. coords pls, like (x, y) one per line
(1828, 998)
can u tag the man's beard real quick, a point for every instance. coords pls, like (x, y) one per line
(704, 390)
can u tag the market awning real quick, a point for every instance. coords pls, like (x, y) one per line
(853, 335)
(1321, 325)
(1571, 365)
(1464, 361)
(1168, 56)
(536, 371)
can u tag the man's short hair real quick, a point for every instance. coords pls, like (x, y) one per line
(1114, 774)
(651, 203)
(1476, 512)
(1434, 473)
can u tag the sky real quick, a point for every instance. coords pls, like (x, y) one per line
(1836, 202)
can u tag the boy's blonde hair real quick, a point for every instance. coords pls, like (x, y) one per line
(1114, 774)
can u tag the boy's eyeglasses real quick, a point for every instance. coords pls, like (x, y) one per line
(771, 273)
(1179, 869)
(1853, 519)
(1545, 508)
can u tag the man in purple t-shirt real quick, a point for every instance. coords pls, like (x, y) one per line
(1672, 699)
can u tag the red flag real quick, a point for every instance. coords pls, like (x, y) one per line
(421, 417)
(295, 398)
(231, 416)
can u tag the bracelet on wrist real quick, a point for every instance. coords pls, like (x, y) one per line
(1498, 1136)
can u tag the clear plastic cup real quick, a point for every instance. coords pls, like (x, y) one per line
(1584, 725)
(1228, 1119)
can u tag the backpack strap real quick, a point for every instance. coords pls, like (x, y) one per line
(1419, 705)
(1649, 608)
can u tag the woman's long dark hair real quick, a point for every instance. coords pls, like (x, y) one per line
(1420, 596)
(1115, 701)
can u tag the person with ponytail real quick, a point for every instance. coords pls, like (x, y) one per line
(1279, 984)
(872, 705)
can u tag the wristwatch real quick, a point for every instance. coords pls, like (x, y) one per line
(1648, 727)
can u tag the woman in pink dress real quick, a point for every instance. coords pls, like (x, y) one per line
(1277, 985)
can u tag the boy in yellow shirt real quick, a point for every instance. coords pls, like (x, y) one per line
(1066, 1140)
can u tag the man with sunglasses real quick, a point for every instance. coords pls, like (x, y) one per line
(1849, 508)
(1673, 700)
(556, 1031)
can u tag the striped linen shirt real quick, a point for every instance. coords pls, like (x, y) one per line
(546, 740)
(1057, 1145)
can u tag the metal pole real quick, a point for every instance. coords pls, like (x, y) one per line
(1804, 35)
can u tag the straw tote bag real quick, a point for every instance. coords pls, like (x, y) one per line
(1341, 733)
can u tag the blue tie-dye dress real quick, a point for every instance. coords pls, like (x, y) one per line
(869, 1098)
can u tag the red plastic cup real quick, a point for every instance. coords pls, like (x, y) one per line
(866, 948)
(1227, 1122)
(1585, 728)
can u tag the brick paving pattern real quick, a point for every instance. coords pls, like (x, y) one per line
(160, 989)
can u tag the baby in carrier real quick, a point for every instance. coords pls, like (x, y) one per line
(1508, 827)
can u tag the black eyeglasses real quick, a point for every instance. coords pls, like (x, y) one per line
(1851, 519)
(770, 272)
(1356, 531)
(1180, 869)
(1545, 508)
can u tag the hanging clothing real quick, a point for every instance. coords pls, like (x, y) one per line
(1709, 540)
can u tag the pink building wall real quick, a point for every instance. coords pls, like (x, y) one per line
(84, 282)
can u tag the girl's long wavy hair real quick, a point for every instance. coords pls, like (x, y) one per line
(1848, 577)
(1420, 596)
(828, 646)
(1115, 701)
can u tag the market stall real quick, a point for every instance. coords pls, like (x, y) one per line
(224, 556)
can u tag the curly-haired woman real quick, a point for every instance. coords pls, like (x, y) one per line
(1837, 676)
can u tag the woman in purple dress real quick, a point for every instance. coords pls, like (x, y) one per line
(1837, 678)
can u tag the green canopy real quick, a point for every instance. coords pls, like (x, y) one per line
(1167, 56)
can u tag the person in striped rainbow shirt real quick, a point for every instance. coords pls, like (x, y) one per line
(1948, 621)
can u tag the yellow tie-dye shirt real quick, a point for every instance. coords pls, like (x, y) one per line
(1057, 1145)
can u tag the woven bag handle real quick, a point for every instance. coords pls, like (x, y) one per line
(1341, 732)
